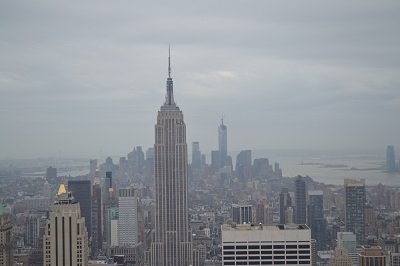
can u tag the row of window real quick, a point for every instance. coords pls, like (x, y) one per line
(293, 262)
(267, 247)
(266, 257)
(251, 252)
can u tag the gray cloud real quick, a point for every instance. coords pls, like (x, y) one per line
(81, 77)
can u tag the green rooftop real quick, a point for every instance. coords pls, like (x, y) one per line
(3, 209)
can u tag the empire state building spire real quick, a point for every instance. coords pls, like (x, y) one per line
(172, 245)
(169, 98)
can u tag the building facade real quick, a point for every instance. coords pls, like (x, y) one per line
(245, 244)
(128, 217)
(242, 213)
(372, 256)
(223, 143)
(285, 201)
(300, 216)
(347, 240)
(315, 219)
(172, 242)
(65, 241)
(82, 192)
(355, 208)
(6, 249)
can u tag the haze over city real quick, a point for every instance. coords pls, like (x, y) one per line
(84, 78)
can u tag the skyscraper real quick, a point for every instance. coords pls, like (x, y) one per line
(285, 201)
(390, 159)
(128, 217)
(355, 208)
(301, 201)
(81, 191)
(172, 244)
(196, 155)
(316, 220)
(97, 215)
(66, 240)
(347, 240)
(223, 143)
(243, 165)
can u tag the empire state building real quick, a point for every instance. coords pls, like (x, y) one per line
(172, 243)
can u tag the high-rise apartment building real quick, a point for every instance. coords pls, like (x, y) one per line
(372, 255)
(355, 208)
(82, 192)
(246, 244)
(242, 213)
(128, 217)
(301, 201)
(285, 201)
(6, 248)
(316, 220)
(172, 245)
(223, 143)
(65, 241)
(390, 159)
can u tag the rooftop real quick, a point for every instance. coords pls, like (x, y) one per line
(279, 227)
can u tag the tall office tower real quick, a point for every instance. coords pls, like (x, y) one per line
(245, 244)
(301, 201)
(97, 216)
(32, 225)
(340, 258)
(223, 143)
(348, 241)
(243, 165)
(6, 248)
(66, 240)
(285, 201)
(242, 213)
(390, 159)
(51, 173)
(172, 245)
(82, 192)
(215, 160)
(372, 255)
(355, 208)
(128, 217)
(93, 168)
(316, 220)
(196, 155)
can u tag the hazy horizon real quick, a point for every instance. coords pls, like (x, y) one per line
(87, 78)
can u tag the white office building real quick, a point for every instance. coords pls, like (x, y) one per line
(246, 244)
(128, 220)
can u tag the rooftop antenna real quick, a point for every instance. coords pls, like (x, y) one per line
(169, 61)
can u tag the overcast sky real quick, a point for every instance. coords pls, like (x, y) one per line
(83, 78)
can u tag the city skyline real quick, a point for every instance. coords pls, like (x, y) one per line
(303, 77)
